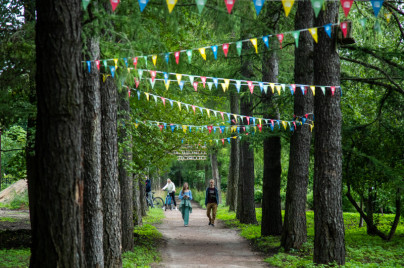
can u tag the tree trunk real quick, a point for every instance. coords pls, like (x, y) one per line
(91, 144)
(111, 197)
(234, 165)
(142, 196)
(370, 230)
(361, 218)
(137, 207)
(125, 178)
(215, 173)
(271, 199)
(294, 232)
(57, 207)
(207, 177)
(329, 241)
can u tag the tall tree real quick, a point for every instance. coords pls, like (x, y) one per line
(91, 144)
(234, 165)
(125, 178)
(329, 238)
(215, 172)
(294, 232)
(57, 184)
(111, 199)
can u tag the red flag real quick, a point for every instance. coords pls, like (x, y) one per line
(137, 82)
(97, 62)
(223, 141)
(153, 75)
(221, 113)
(280, 38)
(161, 127)
(229, 5)
(195, 85)
(135, 62)
(250, 86)
(193, 108)
(114, 4)
(164, 101)
(210, 129)
(177, 56)
(260, 128)
(128, 92)
(225, 49)
(346, 6)
(248, 119)
(203, 78)
(332, 90)
(294, 87)
(344, 28)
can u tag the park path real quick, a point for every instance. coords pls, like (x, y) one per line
(200, 245)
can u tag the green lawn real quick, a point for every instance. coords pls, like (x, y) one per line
(362, 250)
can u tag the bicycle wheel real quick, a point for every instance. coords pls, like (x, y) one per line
(158, 202)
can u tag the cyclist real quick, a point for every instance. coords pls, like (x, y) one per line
(149, 195)
(170, 186)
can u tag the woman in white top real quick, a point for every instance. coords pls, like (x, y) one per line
(170, 186)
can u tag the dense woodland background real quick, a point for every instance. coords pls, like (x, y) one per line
(78, 137)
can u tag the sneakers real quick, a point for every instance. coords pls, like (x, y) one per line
(212, 225)
(185, 225)
(176, 208)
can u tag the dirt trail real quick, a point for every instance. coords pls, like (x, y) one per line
(200, 245)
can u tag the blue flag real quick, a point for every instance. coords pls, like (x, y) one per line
(143, 4)
(258, 5)
(167, 57)
(377, 5)
(327, 28)
(214, 49)
(89, 66)
(266, 40)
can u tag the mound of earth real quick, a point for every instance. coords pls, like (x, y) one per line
(14, 189)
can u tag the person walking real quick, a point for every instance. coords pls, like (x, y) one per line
(149, 195)
(185, 206)
(170, 186)
(211, 201)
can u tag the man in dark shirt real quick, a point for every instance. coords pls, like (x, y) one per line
(148, 191)
(211, 201)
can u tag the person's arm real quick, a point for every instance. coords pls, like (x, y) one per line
(165, 187)
(217, 196)
(181, 196)
(173, 186)
(206, 197)
(190, 195)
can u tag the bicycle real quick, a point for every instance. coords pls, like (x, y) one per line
(169, 202)
(154, 201)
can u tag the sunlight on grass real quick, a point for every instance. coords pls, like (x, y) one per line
(14, 258)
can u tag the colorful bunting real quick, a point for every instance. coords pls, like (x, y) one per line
(265, 39)
(287, 5)
(200, 5)
(171, 4)
(258, 5)
(229, 5)
(280, 38)
(154, 59)
(254, 42)
(202, 51)
(328, 29)
(239, 46)
(143, 4)
(344, 28)
(313, 32)
(317, 5)
(296, 35)
(214, 50)
(346, 6)
(114, 4)
(225, 49)
(377, 5)
(85, 4)
(177, 56)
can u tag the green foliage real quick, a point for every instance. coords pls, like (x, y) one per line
(18, 201)
(14, 258)
(362, 250)
(154, 216)
(8, 219)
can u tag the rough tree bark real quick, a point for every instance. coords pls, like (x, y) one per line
(91, 144)
(294, 232)
(234, 165)
(111, 198)
(215, 173)
(57, 222)
(137, 208)
(125, 178)
(142, 196)
(329, 241)
(271, 199)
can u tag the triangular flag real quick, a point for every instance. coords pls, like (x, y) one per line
(311, 127)
(181, 84)
(145, 60)
(135, 62)
(143, 4)
(155, 98)
(137, 82)
(287, 5)
(165, 77)
(202, 51)
(184, 128)
(258, 5)
(152, 82)
(171, 102)
(272, 87)
(105, 64)
(303, 89)
(191, 79)
(128, 92)
(203, 79)
(167, 84)
(193, 108)
(210, 84)
(225, 49)
(332, 90)
(377, 27)
(229, 5)
(208, 112)
(153, 74)
(89, 66)
(344, 28)
(313, 32)
(114, 4)
(261, 86)
(147, 96)
(265, 39)
(172, 128)
(296, 35)
(214, 49)
(161, 127)
(254, 42)
(323, 90)
(126, 62)
(97, 63)
(377, 5)
(317, 5)
(201, 110)
(346, 6)
(215, 81)
(239, 46)
(227, 83)
(284, 124)
(221, 113)
(112, 69)
(164, 101)
(238, 85)
(140, 72)
(189, 54)
(223, 86)
(171, 4)
(179, 76)
(250, 86)
(195, 86)
(200, 4)
(292, 88)
(265, 88)
(177, 56)
(313, 89)
(363, 22)
(154, 59)
(116, 63)
(388, 16)
(278, 89)
(328, 29)
(280, 38)
(179, 105)
(85, 4)
(283, 87)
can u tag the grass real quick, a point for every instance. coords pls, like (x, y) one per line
(147, 239)
(15, 258)
(362, 250)
(7, 219)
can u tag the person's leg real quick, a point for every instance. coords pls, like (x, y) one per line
(173, 199)
(208, 209)
(186, 216)
(214, 209)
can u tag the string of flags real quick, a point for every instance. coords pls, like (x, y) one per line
(196, 81)
(250, 119)
(225, 47)
(317, 5)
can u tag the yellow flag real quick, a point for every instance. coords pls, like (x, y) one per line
(313, 89)
(104, 77)
(235, 117)
(284, 124)
(128, 70)
(254, 42)
(202, 51)
(313, 32)
(223, 87)
(154, 58)
(259, 120)
(388, 16)
(278, 88)
(272, 87)
(136, 125)
(167, 84)
(235, 137)
(171, 4)
(311, 127)
(233, 129)
(147, 96)
(227, 83)
(179, 105)
(179, 77)
(287, 5)
(208, 111)
(116, 63)
(184, 128)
